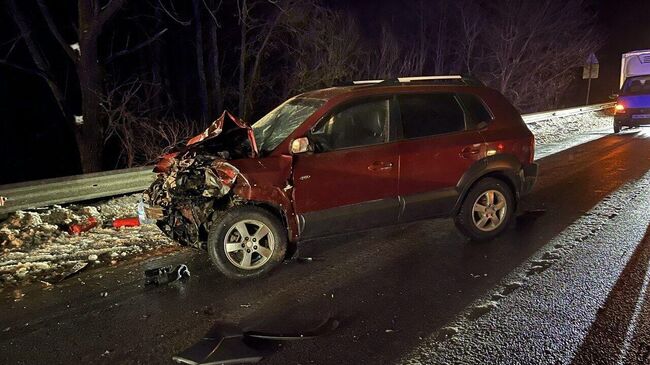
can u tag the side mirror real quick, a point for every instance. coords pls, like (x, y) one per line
(613, 97)
(482, 125)
(300, 145)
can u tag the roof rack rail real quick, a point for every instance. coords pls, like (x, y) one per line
(446, 79)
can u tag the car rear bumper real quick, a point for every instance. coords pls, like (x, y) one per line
(528, 177)
(631, 122)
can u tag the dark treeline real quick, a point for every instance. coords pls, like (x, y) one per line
(128, 78)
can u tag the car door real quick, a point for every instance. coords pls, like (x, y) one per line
(438, 147)
(350, 181)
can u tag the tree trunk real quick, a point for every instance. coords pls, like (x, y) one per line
(213, 69)
(89, 133)
(243, 28)
(200, 66)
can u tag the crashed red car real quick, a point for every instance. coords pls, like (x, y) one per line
(345, 159)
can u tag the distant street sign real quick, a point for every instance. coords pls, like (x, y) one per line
(592, 60)
(591, 71)
(591, 68)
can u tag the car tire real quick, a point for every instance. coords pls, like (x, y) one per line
(247, 242)
(617, 127)
(496, 214)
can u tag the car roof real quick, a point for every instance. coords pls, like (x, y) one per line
(345, 92)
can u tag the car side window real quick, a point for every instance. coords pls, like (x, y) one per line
(430, 114)
(476, 110)
(358, 125)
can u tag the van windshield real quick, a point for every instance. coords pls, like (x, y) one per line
(637, 85)
(277, 125)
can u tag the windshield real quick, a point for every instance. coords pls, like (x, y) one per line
(637, 85)
(273, 128)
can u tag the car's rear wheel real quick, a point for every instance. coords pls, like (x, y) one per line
(486, 210)
(247, 242)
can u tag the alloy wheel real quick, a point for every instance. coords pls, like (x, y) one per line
(249, 244)
(489, 210)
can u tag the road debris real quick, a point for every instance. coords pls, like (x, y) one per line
(166, 274)
(38, 245)
(75, 269)
(3, 200)
(78, 228)
(308, 259)
(228, 344)
(126, 222)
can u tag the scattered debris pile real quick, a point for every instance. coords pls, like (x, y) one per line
(46, 244)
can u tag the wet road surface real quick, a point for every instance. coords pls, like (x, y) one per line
(390, 288)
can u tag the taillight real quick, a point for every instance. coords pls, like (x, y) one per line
(619, 109)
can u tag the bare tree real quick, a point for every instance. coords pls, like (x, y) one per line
(323, 48)
(213, 63)
(93, 17)
(471, 24)
(258, 30)
(41, 63)
(197, 5)
(142, 138)
(529, 55)
(393, 59)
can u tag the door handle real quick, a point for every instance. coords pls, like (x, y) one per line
(380, 166)
(470, 152)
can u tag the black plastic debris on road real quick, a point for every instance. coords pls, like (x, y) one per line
(166, 274)
(228, 344)
(74, 270)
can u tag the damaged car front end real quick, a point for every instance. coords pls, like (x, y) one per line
(223, 192)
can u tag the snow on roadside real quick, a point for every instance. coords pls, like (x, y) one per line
(558, 129)
(36, 245)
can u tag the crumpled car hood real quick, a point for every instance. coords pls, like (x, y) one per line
(196, 179)
(225, 140)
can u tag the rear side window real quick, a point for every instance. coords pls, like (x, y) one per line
(477, 112)
(430, 114)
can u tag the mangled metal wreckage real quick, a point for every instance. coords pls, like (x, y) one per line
(213, 172)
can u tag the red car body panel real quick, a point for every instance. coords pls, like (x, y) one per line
(345, 177)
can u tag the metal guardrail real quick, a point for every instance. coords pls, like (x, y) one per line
(41, 193)
(537, 117)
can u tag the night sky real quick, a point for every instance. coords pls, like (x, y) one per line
(33, 147)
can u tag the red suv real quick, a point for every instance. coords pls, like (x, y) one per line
(345, 159)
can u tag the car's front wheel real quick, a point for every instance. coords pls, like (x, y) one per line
(617, 127)
(486, 210)
(247, 242)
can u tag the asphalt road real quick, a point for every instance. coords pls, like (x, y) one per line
(389, 288)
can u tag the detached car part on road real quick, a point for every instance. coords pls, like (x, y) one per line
(345, 159)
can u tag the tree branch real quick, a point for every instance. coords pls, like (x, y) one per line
(181, 22)
(55, 31)
(135, 48)
(31, 71)
(107, 12)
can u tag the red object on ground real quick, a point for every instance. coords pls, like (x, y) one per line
(126, 222)
(91, 223)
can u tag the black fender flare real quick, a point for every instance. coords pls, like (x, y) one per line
(505, 167)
